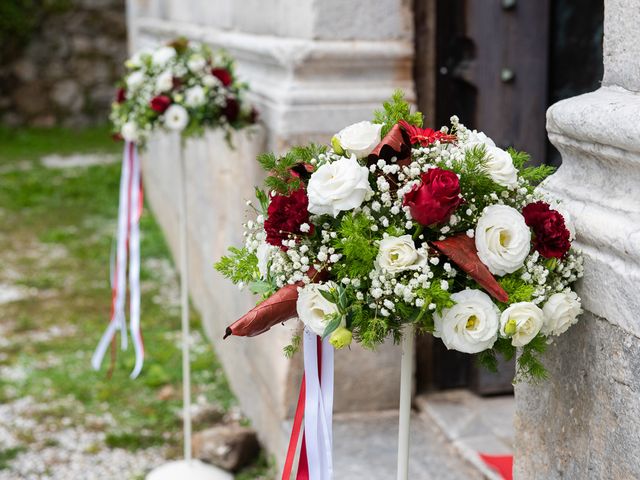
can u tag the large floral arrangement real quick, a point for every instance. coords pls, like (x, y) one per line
(395, 224)
(183, 86)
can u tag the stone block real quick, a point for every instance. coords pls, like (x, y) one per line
(621, 49)
(584, 422)
(227, 446)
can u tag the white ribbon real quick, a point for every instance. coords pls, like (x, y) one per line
(134, 266)
(127, 233)
(318, 419)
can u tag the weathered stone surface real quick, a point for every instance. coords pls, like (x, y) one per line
(228, 446)
(67, 94)
(28, 100)
(85, 44)
(585, 423)
(621, 48)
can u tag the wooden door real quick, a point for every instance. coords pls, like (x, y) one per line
(498, 65)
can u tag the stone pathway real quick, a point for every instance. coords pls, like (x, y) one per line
(448, 430)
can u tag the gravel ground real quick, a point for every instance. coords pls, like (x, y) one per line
(65, 451)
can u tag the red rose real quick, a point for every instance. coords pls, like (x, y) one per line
(223, 75)
(285, 215)
(551, 235)
(160, 103)
(231, 109)
(121, 95)
(436, 198)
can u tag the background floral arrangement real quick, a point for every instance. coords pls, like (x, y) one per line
(182, 86)
(395, 224)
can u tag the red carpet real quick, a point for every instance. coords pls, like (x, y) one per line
(503, 464)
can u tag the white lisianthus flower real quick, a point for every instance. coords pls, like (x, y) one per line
(476, 139)
(129, 132)
(164, 81)
(397, 254)
(196, 63)
(264, 255)
(338, 186)
(360, 138)
(503, 239)
(313, 309)
(211, 81)
(176, 117)
(560, 312)
(162, 55)
(521, 322)
(471, 325)
(135, 80)
(500, 167)
(194, 97)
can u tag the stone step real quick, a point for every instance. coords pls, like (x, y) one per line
(365, 446)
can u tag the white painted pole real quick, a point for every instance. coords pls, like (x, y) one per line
(184, 299)
(406, 385)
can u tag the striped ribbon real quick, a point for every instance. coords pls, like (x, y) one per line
(127, 248)
(315, 405)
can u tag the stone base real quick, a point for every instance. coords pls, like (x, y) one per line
(593, 392)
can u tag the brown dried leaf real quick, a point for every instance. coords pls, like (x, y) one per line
(461, 250)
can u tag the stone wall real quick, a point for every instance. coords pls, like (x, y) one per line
(584, 422)
(65, 74)
(313, 68)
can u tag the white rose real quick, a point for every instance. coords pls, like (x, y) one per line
(360, 138)
(471, 325)
(176, 117)
(397, 254)
(194, 97)
(129, 132)
(521, 322)
(338, 186)
(560, 312)
(503, 239)
(134, 80)
(162, 55)
(500, 167)
(164, 81)
(196, 63)
(313, 309)
(476, 139)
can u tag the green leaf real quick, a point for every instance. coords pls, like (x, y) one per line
(329, 295)
(294, 346)
(260, 287)
(536, 175)
(333, 323)
(240, 266)
(394, 110)
(263, 200)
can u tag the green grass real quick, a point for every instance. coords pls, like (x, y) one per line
(9, 454)
(57, 236)
(32, 143)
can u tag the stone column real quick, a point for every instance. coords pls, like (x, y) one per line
(313, 67)
(584, 422)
